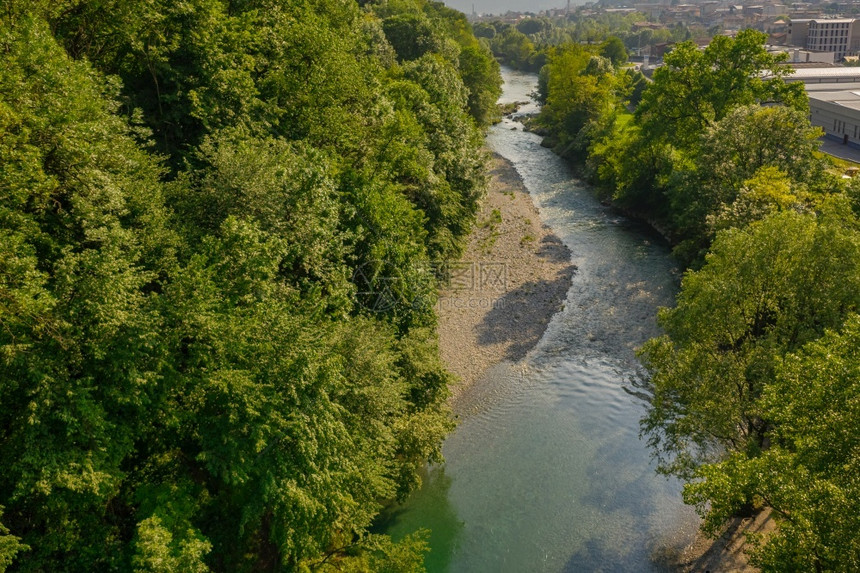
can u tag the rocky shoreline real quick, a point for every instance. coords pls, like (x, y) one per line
(726, 553)
(513, 276)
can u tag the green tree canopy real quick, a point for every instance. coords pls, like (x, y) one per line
(192, 374)
(765, 290)
(809, 473)
(613, 49)
(581, 93)
(530, 26)
(514, 48)
(767, 144)
(696, 88)
(412, 35)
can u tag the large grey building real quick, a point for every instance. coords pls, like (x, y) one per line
(838, 114)
(798, 31)
(834, 101)
(838, 35)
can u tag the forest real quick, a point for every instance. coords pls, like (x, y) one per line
(525, 45)
(221, 224)
(203, 203)
(755, 385)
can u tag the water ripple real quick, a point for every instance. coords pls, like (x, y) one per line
(546, 471)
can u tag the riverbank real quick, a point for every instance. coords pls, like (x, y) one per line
(513, 276)
(727, 553)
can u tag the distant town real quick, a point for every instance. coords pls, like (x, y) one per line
(822, 32)
(821, 39)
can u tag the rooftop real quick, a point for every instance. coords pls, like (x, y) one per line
(825, 75)
(822, 88)
(849, 99)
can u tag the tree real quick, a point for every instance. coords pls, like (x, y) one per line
(157, 552)
(747, 142)
(513, 47)
(189, 376)
(10, 546)
(480, 73)
(808, 476)
(286, 189)
(580, 91)
(531, 26)
(412, 35)
(86, 247)
(764, 291)
(769, 191)
(198, 386)
(613, 49)
(626, 165)
(749, 138)
(696, 88)
(447, 195)
(484, 30)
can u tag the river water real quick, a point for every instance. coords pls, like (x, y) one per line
(546, 471)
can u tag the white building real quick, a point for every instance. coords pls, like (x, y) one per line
(834, 101)
(838, 114)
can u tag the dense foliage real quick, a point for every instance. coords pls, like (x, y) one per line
(808, 475)
(526, 45)
(202, 205)
(697, 138)
(755, 381)
(766, 290)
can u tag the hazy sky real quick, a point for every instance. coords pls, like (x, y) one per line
(501, 6)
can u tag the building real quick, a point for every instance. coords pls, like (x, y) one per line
(653, 11)
(798, 31)
(839, 35)
(777, 26)
(798, 56)
(845, 78)
(834, 101)
(838, 114)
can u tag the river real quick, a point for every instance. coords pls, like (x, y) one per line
(546, 471)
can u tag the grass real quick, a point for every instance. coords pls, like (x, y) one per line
(838, 166)
(491, 224)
